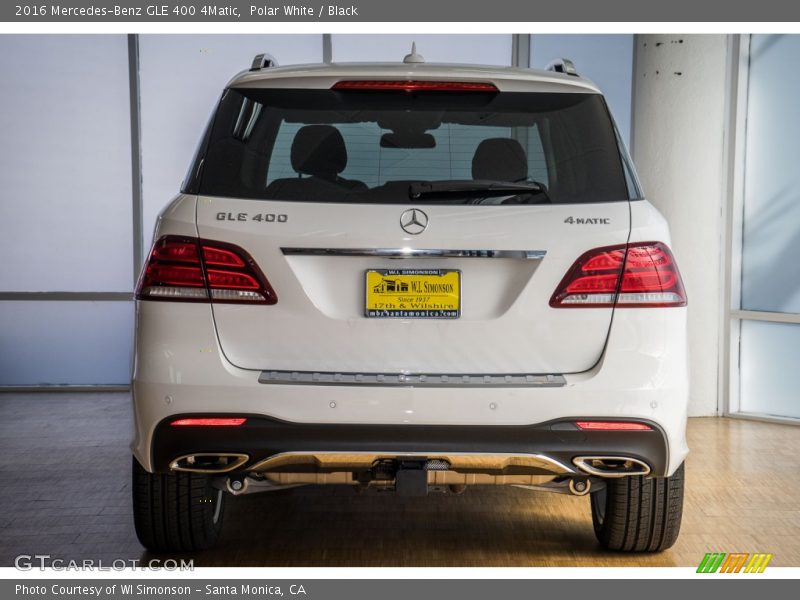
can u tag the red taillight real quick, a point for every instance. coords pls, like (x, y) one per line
(209, 422)
(231, 280)
(416, 86)
(175, 250)
(643, 274)
(221, 257)
(226, 273)
(612, 426)
(176, 276)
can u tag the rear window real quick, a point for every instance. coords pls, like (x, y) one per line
(372, 146)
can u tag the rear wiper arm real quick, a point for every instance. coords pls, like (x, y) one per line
(473, 189)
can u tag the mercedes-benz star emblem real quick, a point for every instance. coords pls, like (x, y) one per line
(413, 221)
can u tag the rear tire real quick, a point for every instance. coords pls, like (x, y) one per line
(179, 512)
(635, 514)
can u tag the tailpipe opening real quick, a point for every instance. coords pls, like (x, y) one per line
(221, 462)
(611, 466)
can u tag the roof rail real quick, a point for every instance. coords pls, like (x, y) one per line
(562, 65)
(263, 61)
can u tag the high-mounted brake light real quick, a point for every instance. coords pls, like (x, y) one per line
(416, 86)
(192, 270)
(612, 426)
(209, 422)
(642, 274)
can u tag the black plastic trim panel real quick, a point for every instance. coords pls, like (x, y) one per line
(261, 437)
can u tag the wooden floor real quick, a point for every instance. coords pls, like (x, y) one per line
(64, 489)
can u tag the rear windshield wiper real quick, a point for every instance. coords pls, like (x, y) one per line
(474, 189)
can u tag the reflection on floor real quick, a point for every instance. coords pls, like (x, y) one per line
(64, 489)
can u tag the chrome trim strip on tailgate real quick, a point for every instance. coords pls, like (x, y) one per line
(416, 253)
(411, 379)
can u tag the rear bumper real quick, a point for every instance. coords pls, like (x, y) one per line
(181, 370)
(261, 438)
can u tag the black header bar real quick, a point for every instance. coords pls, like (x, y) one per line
(442, 11)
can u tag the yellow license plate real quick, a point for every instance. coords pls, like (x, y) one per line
(413, 293)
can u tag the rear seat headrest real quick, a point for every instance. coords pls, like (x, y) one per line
(500, 159)
(319, 150)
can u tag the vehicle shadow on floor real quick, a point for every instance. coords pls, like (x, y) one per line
(486, 526)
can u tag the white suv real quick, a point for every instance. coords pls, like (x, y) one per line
(412, 277)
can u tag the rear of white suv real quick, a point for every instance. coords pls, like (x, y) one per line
(413, 277)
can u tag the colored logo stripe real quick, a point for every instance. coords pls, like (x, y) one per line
(758, 563)
(701, 568)
(734, 563)
(711, 562)
(722, 562)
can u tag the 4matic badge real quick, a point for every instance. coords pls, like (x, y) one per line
(587, 221)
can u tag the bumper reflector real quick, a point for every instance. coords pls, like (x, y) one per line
(209, 422)
(612, 426)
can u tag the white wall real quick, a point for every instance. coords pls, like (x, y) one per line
(678, 126)
(65, 164)
(65, 342)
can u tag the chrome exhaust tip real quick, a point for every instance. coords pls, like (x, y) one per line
(611, 466)
(209, 462)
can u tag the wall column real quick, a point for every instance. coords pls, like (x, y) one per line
(680, 85)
